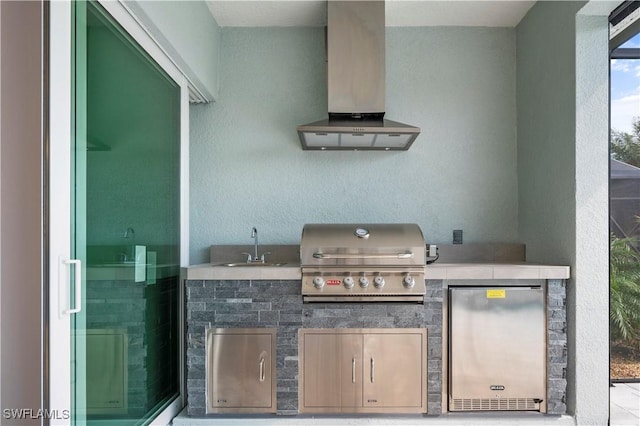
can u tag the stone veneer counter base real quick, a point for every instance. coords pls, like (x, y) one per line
(269, 296)
(252, 303)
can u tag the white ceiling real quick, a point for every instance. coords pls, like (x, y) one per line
(399, 13)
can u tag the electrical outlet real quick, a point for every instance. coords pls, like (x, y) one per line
(457, 236)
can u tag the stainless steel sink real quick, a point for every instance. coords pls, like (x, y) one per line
(241, 264)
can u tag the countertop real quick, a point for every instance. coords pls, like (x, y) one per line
(126, 272)
(435, 271)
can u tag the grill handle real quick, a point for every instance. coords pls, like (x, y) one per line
(408, 255)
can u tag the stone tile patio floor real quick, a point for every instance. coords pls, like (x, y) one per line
(625, 404)
(625, 411)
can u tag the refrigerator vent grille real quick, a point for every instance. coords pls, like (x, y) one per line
(493, 404)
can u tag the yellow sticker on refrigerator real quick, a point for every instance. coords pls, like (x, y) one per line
(496, 293)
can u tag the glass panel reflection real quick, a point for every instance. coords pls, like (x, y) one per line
(132, 228)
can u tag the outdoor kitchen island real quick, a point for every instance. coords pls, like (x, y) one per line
(269, 297)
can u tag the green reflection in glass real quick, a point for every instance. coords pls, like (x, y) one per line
(132, 227)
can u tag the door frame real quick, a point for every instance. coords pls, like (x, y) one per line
(59, 146)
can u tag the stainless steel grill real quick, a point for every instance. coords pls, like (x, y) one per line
(363, 263)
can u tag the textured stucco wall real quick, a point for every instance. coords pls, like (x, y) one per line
(189, 34)
(562, 85)
(546, 131)
(247, 167)
(591, 292)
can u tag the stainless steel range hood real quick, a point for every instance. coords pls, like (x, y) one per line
(356, 84)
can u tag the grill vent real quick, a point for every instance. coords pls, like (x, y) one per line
(494, 404)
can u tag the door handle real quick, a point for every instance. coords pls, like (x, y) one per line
(77, 286)
(353, 370)
(373, 366)
(262, 369)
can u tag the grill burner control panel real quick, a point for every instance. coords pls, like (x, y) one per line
(373, 284)
(378, 281)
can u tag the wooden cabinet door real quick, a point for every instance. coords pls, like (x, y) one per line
(332, 371)
(394, 370)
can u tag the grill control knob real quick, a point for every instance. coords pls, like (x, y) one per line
(408, 281)
(318, 282)
(378, 282)
(364, 282)
(348, 282)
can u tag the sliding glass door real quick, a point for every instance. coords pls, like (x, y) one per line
(624, 208)
(118, 295)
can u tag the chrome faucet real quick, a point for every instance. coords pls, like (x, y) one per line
(130, 233)
(254, 235)
(255, 257)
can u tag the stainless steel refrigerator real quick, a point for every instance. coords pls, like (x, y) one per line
(497, 349)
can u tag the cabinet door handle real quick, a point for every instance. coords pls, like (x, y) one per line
(373, 367)
(262, 369)
(353, 370)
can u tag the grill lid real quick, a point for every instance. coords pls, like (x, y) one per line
(396, 244)
(363, 263)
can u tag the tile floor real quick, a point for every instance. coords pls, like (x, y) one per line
(625, 411)
(457, 419)
(625, 404)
